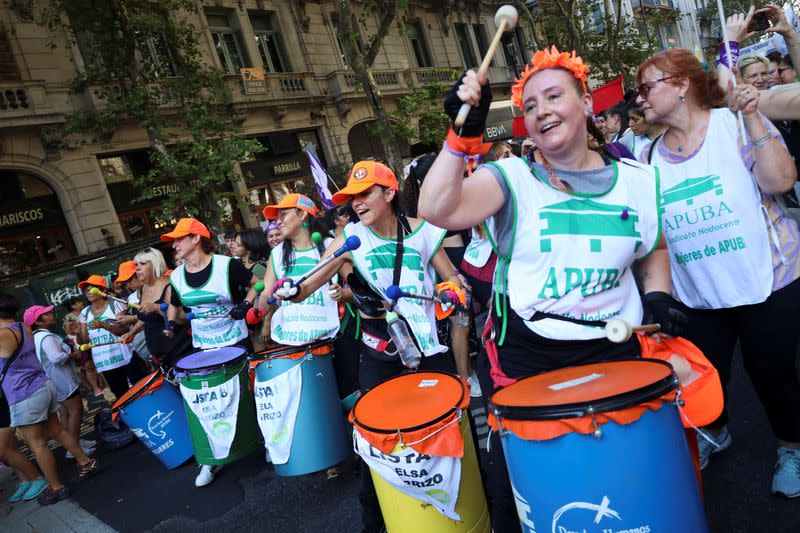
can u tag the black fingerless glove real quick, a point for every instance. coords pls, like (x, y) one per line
(239, 311)
(475, 124)
(662, 309)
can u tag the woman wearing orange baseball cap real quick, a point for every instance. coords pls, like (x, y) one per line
(208, 284)
(383, 229)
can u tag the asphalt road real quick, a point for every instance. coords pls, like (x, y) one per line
(135, 493)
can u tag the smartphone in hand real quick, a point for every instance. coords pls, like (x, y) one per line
(760, 22)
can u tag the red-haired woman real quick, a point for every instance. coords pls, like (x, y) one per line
(734, 253)
(554, 290)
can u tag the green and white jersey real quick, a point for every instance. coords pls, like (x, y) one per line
(316, 317)
(110, 356)
(717, 236)
(374, 260)
(570, 253)
(211, 303)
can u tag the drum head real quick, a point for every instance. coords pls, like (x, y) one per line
(146, 385)
(295, 352)
(210, 359)
(409, 402)
(575, 391)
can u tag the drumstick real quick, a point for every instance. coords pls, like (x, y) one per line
(254, 314)
(164, 306)
(98, 292)
(393, 292)
(351, 243)
(505, 19)
(87, 347)
(620, 331)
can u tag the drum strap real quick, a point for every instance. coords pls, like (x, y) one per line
(499, 378)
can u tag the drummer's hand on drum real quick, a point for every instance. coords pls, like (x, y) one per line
(284, 289)
(662, 309)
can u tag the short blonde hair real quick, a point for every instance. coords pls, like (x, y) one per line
(155, 258)
(749, 61)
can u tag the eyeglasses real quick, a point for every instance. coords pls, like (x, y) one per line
(645, 88)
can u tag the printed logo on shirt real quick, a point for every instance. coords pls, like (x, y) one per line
(590, 218)
(198, 297)
(383, 257)
(691, 188)
(300, 266)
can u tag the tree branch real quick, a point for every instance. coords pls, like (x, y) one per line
(375, 43)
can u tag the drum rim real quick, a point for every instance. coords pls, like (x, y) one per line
(440, 418)
(238, 359)
(615, 402)
(287, 350)
(138, 394)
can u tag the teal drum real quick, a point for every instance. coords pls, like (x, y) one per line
(298, 408)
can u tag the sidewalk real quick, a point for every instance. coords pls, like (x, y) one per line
(23, 517)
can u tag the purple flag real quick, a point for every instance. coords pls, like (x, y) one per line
(320, 177)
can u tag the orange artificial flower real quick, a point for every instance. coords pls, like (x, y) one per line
(552, 58)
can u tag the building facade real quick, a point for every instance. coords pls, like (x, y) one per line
(61, 201)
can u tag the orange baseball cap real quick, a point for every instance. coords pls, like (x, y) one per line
(94, 279)
(187, 226)
(364, 175)
(291, 201)
(126, 271)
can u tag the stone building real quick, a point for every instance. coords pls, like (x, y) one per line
(61, 201)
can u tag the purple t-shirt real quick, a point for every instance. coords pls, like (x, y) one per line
(25, 375)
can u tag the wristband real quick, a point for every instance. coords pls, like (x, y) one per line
(723, 56)
(469, 146)
(761, 141)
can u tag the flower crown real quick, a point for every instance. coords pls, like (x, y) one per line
(543, 59)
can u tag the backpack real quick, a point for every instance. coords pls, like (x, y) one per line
(111, 435)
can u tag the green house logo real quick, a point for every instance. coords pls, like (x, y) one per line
(301, 266)
(383, 257)
(198, 297)
(587, 217)
(691, 188)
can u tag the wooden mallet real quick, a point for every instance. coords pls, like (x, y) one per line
(505, 19)
(98, 292)
(620, 331)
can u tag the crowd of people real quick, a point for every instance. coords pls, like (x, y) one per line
(688, 160)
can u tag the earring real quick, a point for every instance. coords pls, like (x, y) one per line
(681, 98)
(589, 111)
(305, 224)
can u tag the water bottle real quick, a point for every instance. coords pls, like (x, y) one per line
(398, 331)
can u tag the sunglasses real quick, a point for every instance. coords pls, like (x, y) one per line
(645, 88)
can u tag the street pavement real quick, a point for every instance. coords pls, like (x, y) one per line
(135, 493)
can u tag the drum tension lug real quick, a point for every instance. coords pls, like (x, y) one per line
(597, 431)
(679, 401)
(501, 431)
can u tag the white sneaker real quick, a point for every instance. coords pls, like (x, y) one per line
(87, 451)
(474, 386)
(206, 475)
(88, 446)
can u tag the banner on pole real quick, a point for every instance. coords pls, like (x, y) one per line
(320, 177)
(608, 95)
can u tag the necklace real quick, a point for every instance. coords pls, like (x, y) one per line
(552, 179)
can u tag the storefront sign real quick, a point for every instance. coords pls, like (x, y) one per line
(253, 81)
(21, 217)
(499, 124)
(286, 168)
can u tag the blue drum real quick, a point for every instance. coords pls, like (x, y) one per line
(320, 438)
(598, 448)
(153, 409)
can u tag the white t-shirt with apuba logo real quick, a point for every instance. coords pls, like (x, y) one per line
(571, 253)
(212, 327)
(316, 317)
(374, 260)
(716, 233)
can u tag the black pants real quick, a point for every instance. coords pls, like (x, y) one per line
(118, 378)
(371, 372)
(346, 352)
(524, 354)
(768, 333)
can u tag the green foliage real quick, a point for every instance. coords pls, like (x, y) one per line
(419, 117)
(143, 65)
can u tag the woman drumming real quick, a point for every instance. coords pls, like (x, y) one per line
(382, 229)
(208, 284)
(155, 290)
(557, 278)
(734, 252)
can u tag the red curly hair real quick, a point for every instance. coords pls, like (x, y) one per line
(704, 86)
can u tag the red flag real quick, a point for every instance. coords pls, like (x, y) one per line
(518, 128)
(608, 95)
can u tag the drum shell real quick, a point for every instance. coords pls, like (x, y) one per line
(320, 438)
(246, 439)
(156, 412)
(403, 513)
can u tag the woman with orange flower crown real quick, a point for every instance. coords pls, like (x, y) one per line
(559, 274)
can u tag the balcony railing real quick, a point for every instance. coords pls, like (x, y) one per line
(279, 86)
(31, 100)
(666, 4)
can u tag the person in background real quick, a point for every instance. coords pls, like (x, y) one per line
(251, 247)
(32, 403)
(755, 71)
(86, 369)
(230, 237)
(616, 122)
(774, 59)
(786, 71)
(58, 360)
(781, 26)
(499, 150)
(127, 316)
(342, 216)
(643, 132)
(273, 233)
